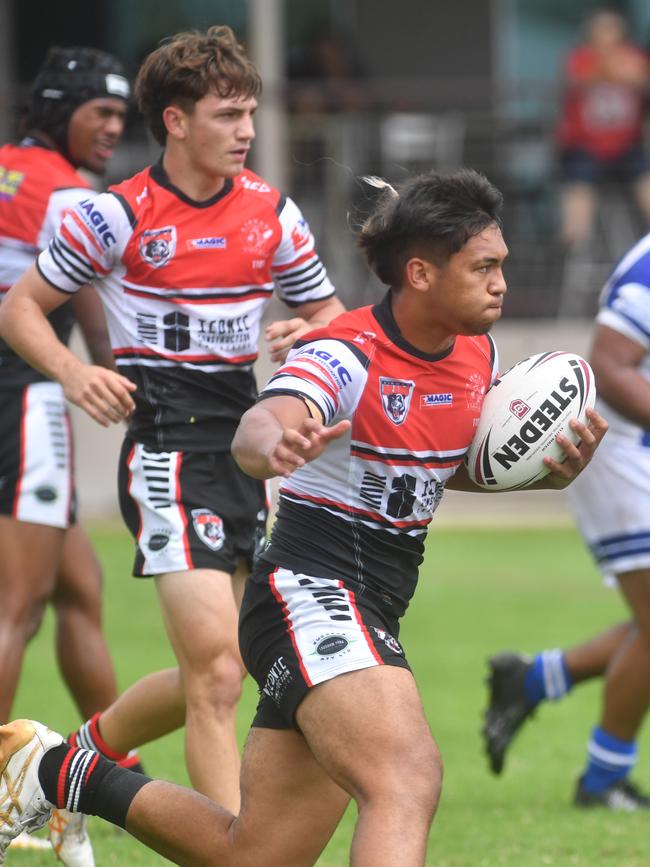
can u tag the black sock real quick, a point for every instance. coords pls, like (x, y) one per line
(84, 782)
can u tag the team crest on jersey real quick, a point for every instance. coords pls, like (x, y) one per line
(209, 528)
(396, 397)
(257, 235)
(157, 246)
(475, 391)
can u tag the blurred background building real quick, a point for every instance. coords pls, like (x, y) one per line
(357, 87)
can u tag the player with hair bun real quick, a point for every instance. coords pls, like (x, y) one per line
(75, 118)
(339, 715)
(185, 255)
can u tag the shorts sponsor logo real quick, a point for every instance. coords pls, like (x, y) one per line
(519, 408)
(209, 528)
(277, 680)
(46, 494)
(157, 246)
(158, 540)
(390, 642)
(432, 400)
(396, 397)
(332, 646)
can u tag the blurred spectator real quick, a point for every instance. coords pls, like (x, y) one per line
(327, 75)
(601, 126)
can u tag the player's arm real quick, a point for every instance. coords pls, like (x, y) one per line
(103, 394)
(281, 434)
(283, 333)
(616, 360)
(561, 473)
(89, 313)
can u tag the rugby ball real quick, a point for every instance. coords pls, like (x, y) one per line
(523, 412)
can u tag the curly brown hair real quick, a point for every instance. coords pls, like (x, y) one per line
(185, 67)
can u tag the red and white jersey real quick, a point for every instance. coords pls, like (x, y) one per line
(360, 511)
(184, 286)
(37, 186)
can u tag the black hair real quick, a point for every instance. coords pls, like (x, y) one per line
(68, 78)
(430, 215)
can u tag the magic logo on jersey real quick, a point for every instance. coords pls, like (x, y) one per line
(157, 246)
(396, 397)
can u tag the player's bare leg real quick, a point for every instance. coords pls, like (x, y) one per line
(82, 652)
(201, 615)
(30, 553)
(382, 753)
(592, 658)
(290, 807)
(627, 680)
(152, 707)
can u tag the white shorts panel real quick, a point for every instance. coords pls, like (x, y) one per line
(44, 489)
(327, 631)
(610, 501)
(152, 485)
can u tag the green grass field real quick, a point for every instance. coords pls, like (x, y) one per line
(480, 592)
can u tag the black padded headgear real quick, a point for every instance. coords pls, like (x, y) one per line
(68, 78)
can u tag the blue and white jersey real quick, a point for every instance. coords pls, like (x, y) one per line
(625, 307)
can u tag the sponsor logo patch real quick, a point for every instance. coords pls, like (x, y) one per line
(158, 540)
(209, 528)
(396, 397)
(432, 400)
(46, 494)
(10, 181)
(331, 646)
(300, 235)
(519, 408)
(157, 246)
(207, 243)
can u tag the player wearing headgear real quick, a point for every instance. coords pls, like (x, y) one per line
(75, 119)
(186, 255)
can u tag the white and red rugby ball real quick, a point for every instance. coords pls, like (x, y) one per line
(523, 412)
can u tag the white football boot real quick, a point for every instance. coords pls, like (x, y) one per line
(70, 840)
(31, 842)
(23, 806)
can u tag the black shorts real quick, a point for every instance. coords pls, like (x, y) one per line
(190, 510)
(297, 630)
(583, 166)
(36, 480)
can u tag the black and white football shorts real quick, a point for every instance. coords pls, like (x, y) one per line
(190, 510)
(36, 473)
(298, 630)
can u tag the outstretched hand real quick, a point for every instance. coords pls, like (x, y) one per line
(298, 446)
(577, 456)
